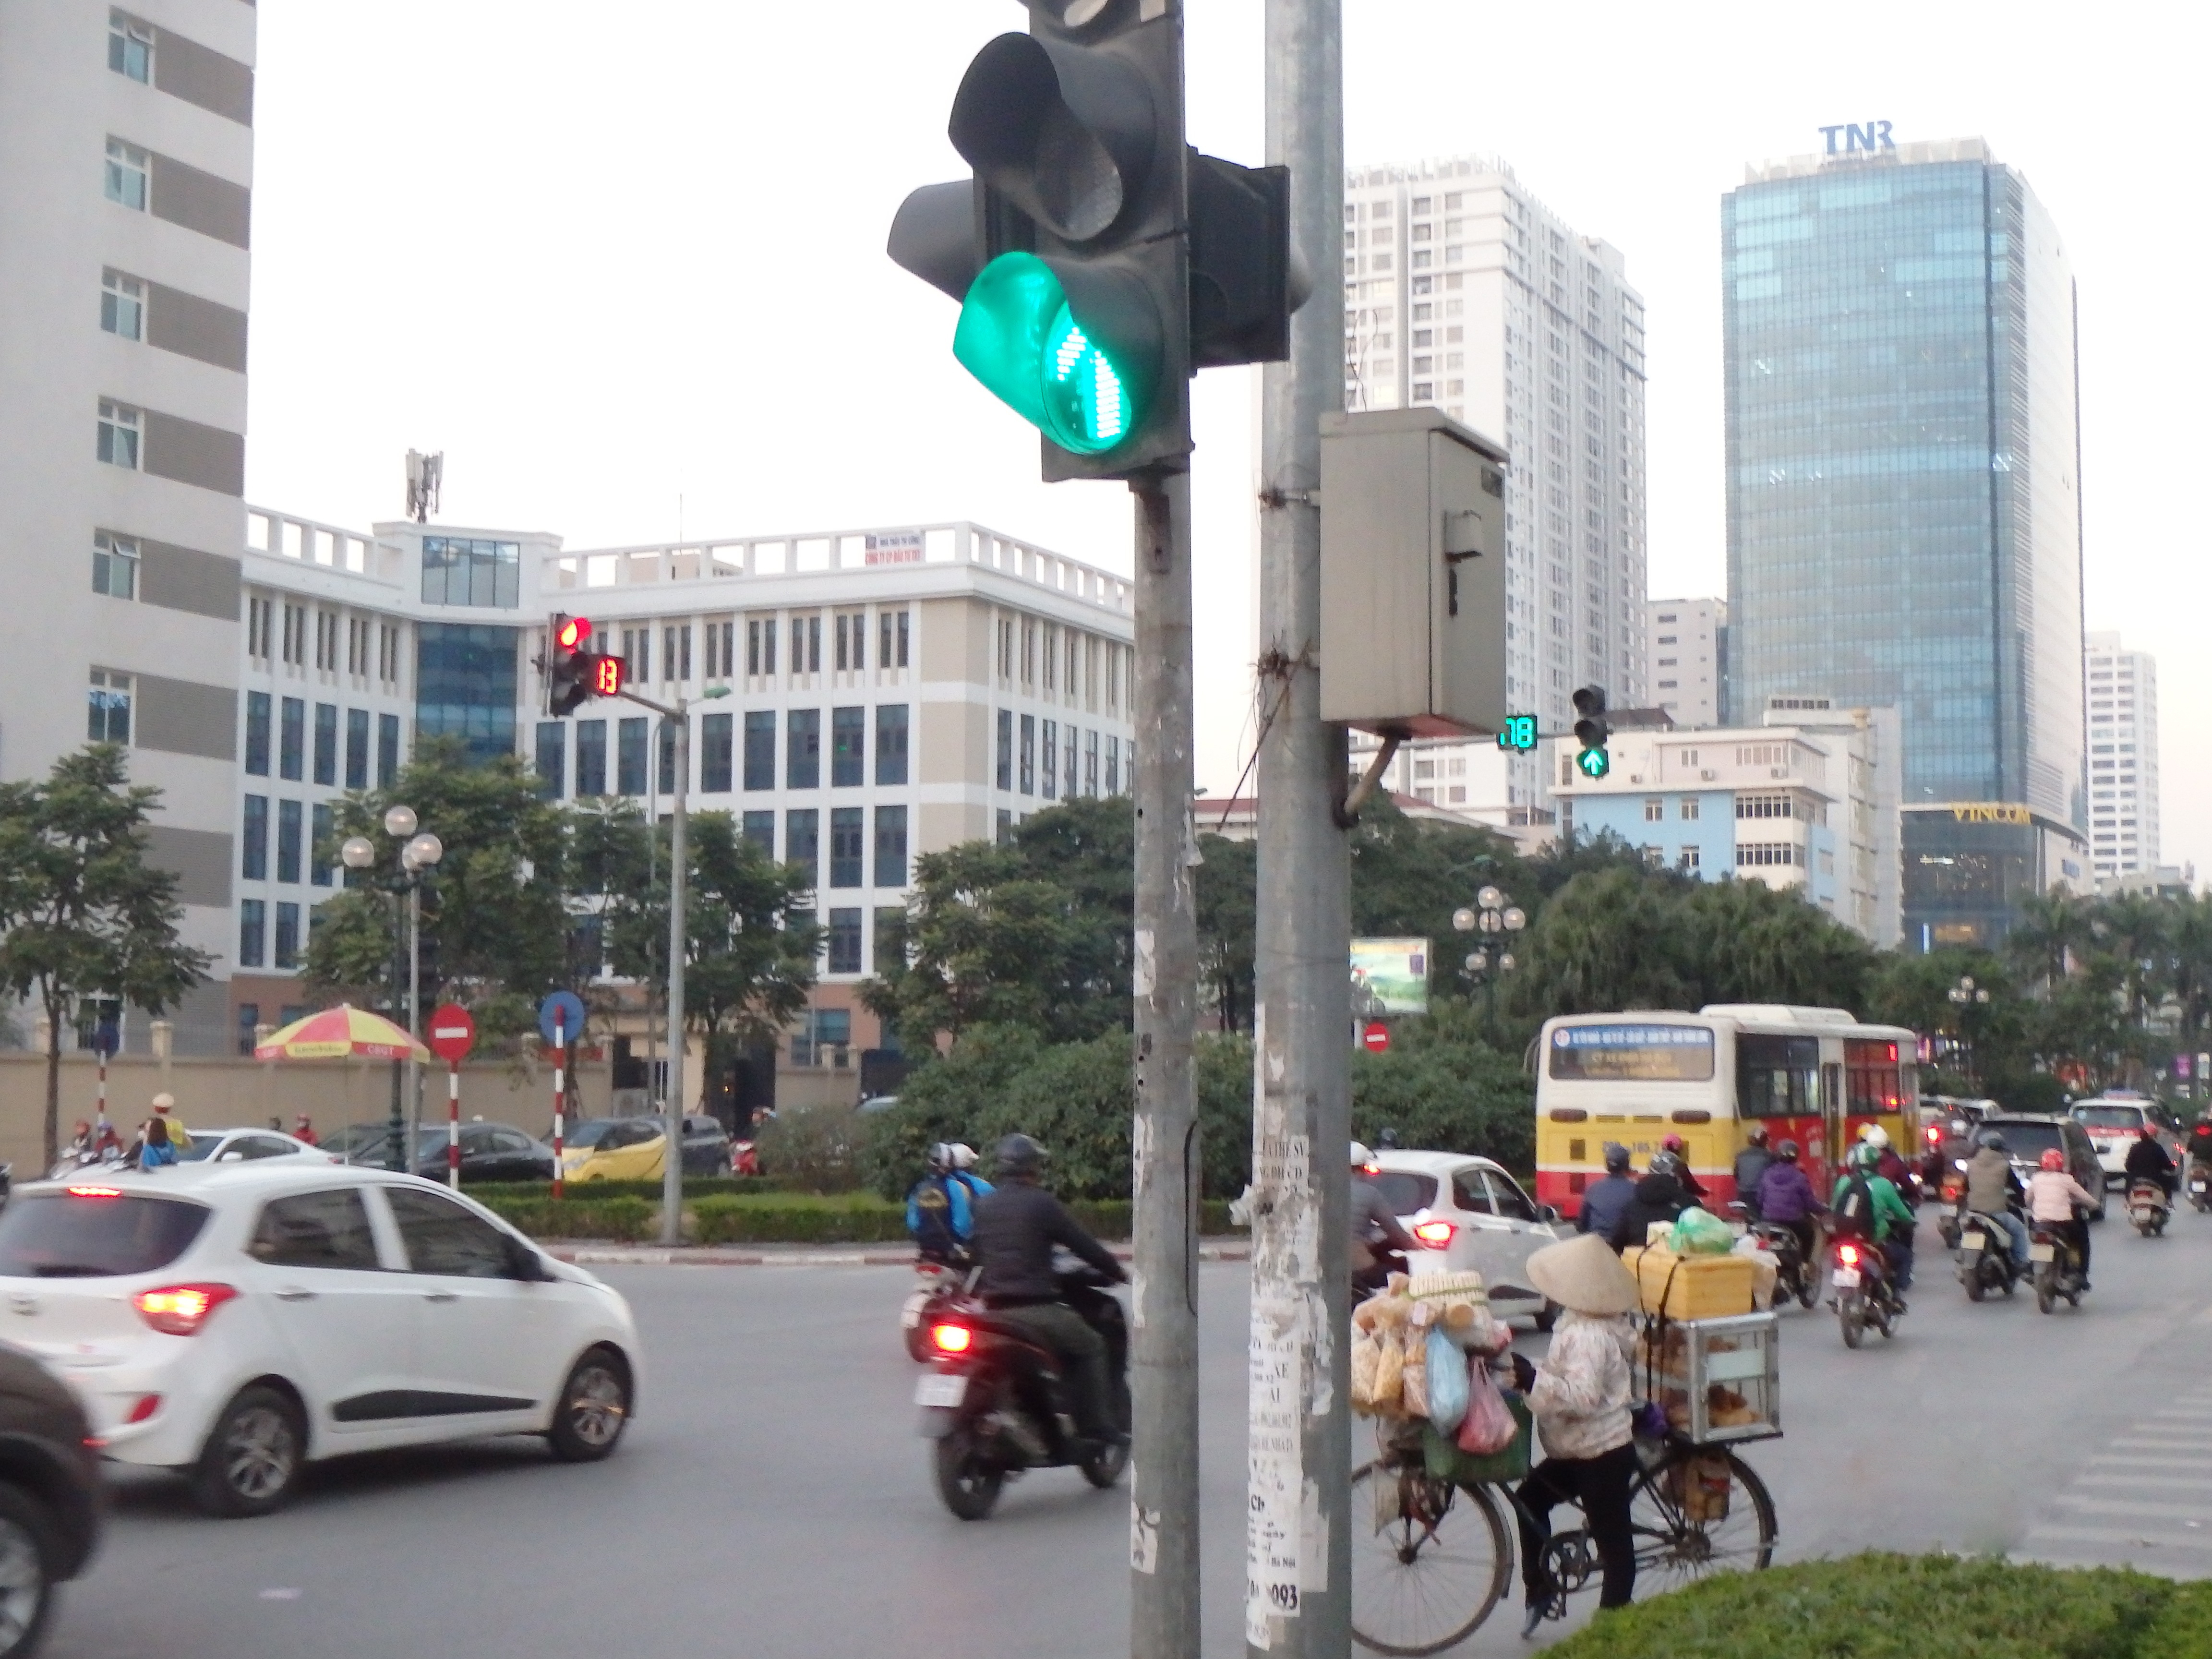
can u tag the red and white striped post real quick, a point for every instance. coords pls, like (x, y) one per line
(453, 1033)
(559, 1089)
(453, 1125)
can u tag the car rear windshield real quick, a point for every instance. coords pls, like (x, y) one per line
(2109, 1117)
(2030, 1140)
(96, 1235)
(1406, 1191)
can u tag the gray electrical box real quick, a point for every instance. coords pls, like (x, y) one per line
(1412, 574)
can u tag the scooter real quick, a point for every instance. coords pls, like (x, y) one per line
(2148, 1208)
(2058, 1269)
(937, 1285)
(996, 1406)
(2200, 1186)
(1793, 1274)
(1863, 1295)
(1985, 1263)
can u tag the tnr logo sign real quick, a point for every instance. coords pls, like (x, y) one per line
(1871, 137)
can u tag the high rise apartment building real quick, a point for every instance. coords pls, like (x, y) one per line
(1684, 641)
(1904, 514)
(126, 165)
(2123, 758)
(1464, 292)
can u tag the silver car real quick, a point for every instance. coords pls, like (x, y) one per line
(1469, 1209)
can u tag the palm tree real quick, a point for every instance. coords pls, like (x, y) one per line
(2136, 928)
(2052, 936)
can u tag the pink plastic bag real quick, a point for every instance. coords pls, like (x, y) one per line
(1488, 1426)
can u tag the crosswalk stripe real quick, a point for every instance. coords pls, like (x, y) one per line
(2193, 1512)
(2146, 1461)
(2140, 1539)
(2161, 1482)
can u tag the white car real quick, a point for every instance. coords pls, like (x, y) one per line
(250, 1146)
(2114, 1122)
(1475, 1214)
(235, 1321)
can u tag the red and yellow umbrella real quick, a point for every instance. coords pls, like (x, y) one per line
(335, 1033)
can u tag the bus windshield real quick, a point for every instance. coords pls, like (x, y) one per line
(1633, 1054)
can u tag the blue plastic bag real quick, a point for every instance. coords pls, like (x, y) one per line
(1447, 1367)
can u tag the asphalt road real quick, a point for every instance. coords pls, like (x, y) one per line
(771, 1499)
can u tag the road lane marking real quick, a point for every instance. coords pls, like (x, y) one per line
(2197, 1513)
(2164, 1483)
(2117, 1535)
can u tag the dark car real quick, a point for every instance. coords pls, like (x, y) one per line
(489, 1152)
(50, 1501)
(706, 1146)
(2027, 1137)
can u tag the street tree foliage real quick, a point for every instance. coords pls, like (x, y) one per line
(83, 915)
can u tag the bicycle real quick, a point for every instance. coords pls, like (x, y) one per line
(1437, 1557)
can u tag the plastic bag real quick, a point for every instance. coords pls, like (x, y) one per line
(1488, 1425)
(1389, 1373)
(1447, 1378)
(1366, 1363)
(1413, 1386)
(1700, 1232)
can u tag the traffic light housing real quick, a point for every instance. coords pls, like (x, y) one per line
(1097, 259)
(1518, 735)
(1591, 730)
(574, 675)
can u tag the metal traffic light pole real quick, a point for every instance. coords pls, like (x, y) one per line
(1298, 1560)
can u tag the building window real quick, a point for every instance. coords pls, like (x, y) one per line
(120, 428)
(122, 305)
(848, 846)
(131, 47)
(717, 739)
(1068, 772)
(126, 174)
(852, 641)
(253, 842)
(467, 686)
(109, 707)
(891, 846)
(1029, 754)
(629, 758)
(892, 645)
(552, 759)
(252, 934)
(760, 645)
(667, 749)
(760, 830)
(1113, 765)
(806, 645)
(288, 936)
(387, 653)
(249, 1016)
(760, 749)
(890, 743)
(720, 641)
(292, 740)
(1005, 771)
(802, 842)
(802, 757)
(321, 827)
(388, 750)
(114, 565)
(288, 841)
(1005, 826)
(1090, 763)
(326, 642)
(676, 653)
(326, 744)
(1762, 852)
(468, 570)
(256, 733)
(1654, 809)
(844, 956)
(591, 758)
(848, 743)
(1688, 859)
(1051, 739)
(357, 753)
(1689, 807)
(257, 616)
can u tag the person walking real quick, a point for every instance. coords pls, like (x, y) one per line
(1579, 1394)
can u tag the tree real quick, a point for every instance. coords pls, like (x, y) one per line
(1226, 889)
(1743, 941)
(1603, 942)
(84, 913)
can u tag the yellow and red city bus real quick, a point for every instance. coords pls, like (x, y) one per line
(1815, 1076)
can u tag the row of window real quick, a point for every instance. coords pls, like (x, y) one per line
(1061, 660)
(719, 754)
(369, 644)
(848, 843)
(799, 642)
(1072, 764)
(296, 842)
(253, 941)
(290, 734)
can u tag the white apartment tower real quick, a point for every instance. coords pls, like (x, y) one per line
(126, 163)
(1464, 292)
(2123, 757)
(1683, 646)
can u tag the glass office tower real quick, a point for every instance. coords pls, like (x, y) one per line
(1904, 509)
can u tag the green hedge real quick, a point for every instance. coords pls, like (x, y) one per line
(1899, 1606)
(626, 1217)
(766, 1217)
(694, 1186)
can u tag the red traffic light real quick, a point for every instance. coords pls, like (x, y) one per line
(608, 674)
(572, 633)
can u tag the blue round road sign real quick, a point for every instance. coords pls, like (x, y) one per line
(568, 1008)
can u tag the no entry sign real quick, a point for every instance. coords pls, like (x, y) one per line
(452, 1032)
(1374, 1036)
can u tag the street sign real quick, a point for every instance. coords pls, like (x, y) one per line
(452, 1032)
(568, 1008)
(1374, 1036)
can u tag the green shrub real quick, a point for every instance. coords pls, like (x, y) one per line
(623, 1218)
(797, 1219)
(814, 1148)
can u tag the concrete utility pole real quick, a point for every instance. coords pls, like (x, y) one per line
(1163, 1601)
(1298, 1560)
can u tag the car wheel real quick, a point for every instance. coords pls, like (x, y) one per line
(592, 1410)
(251, 1459)
(26, 1589)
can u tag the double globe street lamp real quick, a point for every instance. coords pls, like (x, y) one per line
(1967, 996)
(1495, 914)
(418, 855)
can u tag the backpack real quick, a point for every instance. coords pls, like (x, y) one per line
(1854, 1210)
(929, 1217)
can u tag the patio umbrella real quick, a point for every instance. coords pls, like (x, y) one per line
(335, 1033)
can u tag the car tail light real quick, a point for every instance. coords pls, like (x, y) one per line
(1936, 1137)
(951, 1338)
(95, 1192)
(1848, 1254)
(1434, 1234)
(147, 1405)
(181, 1310)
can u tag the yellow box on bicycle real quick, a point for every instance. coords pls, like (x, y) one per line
(1692, 1287)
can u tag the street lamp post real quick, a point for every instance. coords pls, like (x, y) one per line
(1965, 994)
(1494, 912)
(418, 855)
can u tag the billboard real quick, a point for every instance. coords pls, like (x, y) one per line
(898, 547)
(1389, 976)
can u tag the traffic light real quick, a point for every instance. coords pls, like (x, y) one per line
(1591, 730)
(1097, 259)
(1519, 734)
(575, 676)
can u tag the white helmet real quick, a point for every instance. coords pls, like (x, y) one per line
(1875, 1136)
(1360, 1156)
(963, 1156)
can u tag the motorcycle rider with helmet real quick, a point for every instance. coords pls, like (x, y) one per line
(1374, 1228)
(1680, 1150)
(1017, 1224)
(940, 1207)
(1604, 1199)
(1660, 1196)
(1887, 1218)
(2056, 1201)
(2148, 1160)
(1890, 1165)
(1991, 1188)
(1750, 1164)
(1786, 1198)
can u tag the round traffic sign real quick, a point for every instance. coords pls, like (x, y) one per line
(1374, 1036)
(452, 1032)
(568, 1008)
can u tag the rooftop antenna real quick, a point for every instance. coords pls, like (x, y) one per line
(425, 474)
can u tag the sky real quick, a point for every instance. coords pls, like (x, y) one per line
(624, 264)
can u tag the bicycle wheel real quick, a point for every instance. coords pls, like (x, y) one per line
(1428, 1560)
(1685, 1526)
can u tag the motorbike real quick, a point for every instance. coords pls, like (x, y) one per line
(2148, 1208)
(937, 1285)
(1985, 1263)
(744, 1158)
(1793, 1273)
(2058, 1269)
(1863, 1293)
(2200, 1186)
(995, 1405)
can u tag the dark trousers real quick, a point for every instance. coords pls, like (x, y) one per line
(1600, 1485)
(1082, 1353)
(2077, 1234)
(1898, 1249)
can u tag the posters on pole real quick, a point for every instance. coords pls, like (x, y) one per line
(1389, 976)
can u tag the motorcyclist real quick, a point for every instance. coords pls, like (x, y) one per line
(1690, 1184)
(1786, 1198)
(1604, 1199)
(2200, 1146)
(1866, 1205)
(940, 1207)
(1660, 1196)
(2147, 1160)
(2056, 1200)
(1750, 1164)
(1374, 1227)
(1890, 1165)
(1017, 1224)
(1992, 1189)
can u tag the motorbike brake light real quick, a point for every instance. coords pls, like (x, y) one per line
(1849, 1254)
(181, 1310)
(951, 1338)
(1434, 1234)
(1934, 1137)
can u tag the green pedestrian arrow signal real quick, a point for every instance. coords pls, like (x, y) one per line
(1082, 371)
(1593, 764)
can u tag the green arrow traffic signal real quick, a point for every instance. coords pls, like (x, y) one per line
(1593, 764)
(1082, 368)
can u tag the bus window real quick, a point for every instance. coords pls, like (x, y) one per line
(1875, 1079)
(1633, 1054)
(1774, 1075)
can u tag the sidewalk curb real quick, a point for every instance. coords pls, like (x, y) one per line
(691, 1256)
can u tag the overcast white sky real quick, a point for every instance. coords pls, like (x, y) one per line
(624, 264)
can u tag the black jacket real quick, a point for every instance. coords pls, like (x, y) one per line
(1658, 1198)
(1017, 1224)
(2147, 1160)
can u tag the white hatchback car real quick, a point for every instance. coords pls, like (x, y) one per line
(235, 1322)
(1476, 1214)
(2115, 1121)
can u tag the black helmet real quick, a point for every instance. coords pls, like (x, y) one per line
(1663, 1163)
(1616, 1158)
(1018, 1155)
(1991, 1141)
(1786, 1152)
